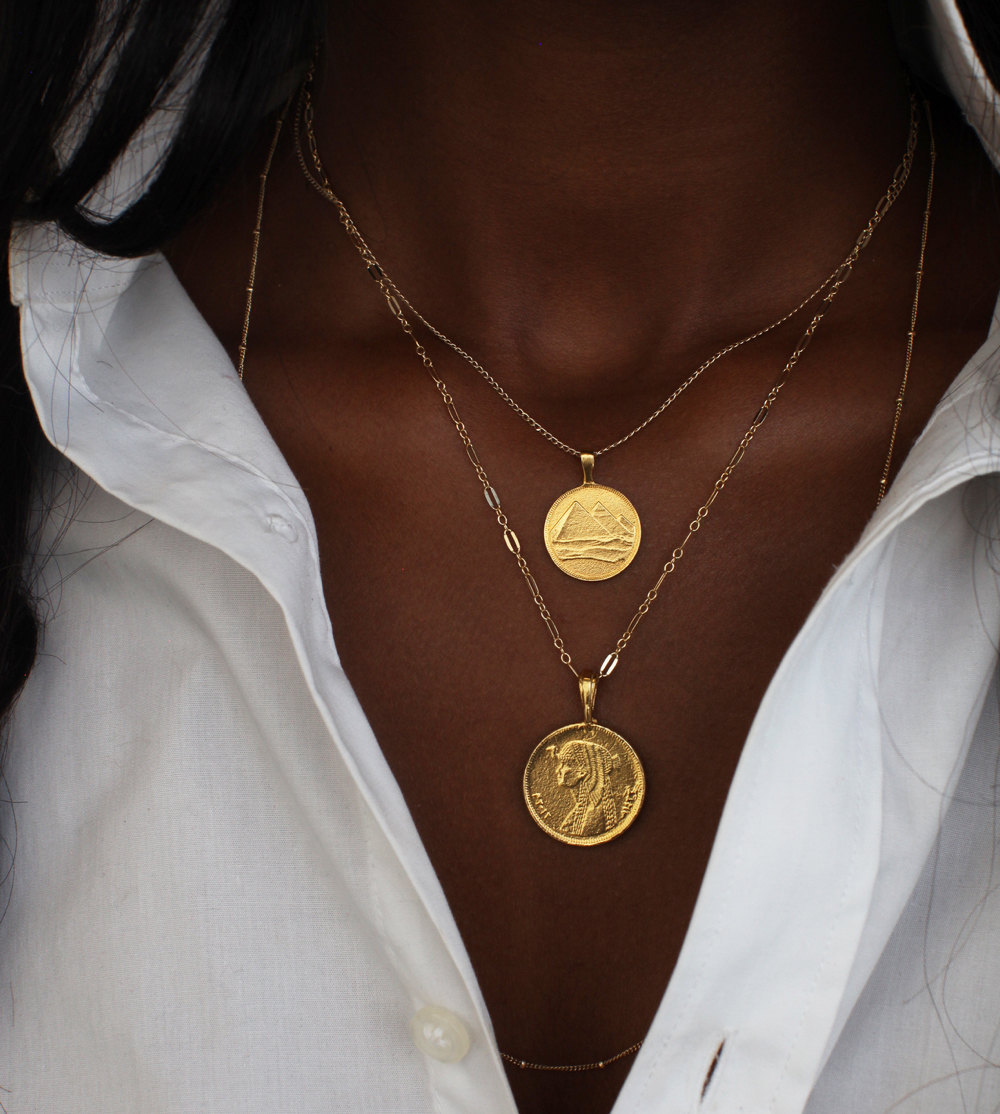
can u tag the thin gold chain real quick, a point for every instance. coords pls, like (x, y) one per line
(321, 183)
(258, 224)
(597, 1064)
(513, 543)
(912, 331)
(834, 284)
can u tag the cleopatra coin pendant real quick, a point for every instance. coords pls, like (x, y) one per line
(583, 783)
(592, 532)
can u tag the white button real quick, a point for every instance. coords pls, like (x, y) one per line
(440, 1034)
(280, 525)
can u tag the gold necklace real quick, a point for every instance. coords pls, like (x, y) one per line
(592, 532)
(584, 784)
(596, 1065)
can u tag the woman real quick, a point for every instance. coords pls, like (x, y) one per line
(586, 769)
(228, 895)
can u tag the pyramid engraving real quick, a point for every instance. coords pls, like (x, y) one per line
(595, 535)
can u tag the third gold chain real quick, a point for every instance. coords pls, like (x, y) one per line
(591, 531)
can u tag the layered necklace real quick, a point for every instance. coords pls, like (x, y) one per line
(584, 783)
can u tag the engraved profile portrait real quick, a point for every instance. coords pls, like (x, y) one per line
(585, 768)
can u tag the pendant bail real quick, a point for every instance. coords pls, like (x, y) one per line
(587, 461)
(588, 694)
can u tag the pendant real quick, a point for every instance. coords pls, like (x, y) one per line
(583, 783)
(592, 532)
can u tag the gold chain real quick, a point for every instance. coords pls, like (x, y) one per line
(394, 299)
(511, 539)
(321, 184)
(834, 284)
(255, 252)
(912, 331)
(528, 1064)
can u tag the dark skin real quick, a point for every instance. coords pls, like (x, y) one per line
(591, 198)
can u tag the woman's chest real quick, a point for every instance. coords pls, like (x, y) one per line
(456, 661)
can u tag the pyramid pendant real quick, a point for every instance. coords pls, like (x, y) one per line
(592, 532)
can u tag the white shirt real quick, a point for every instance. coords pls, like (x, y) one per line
(219, 900)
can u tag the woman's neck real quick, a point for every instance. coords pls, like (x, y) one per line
(579, 186)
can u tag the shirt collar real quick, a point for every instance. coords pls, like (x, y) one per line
(129, 382)
(134, 388)
(964, 74)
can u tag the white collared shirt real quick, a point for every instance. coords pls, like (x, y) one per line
(220, 902)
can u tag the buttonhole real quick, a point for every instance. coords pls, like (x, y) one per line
(278, 524)
(711, 1071)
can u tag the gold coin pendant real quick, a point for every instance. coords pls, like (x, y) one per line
(584, 784)
(592, 532)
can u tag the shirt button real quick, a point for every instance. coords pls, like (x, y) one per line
(438, 1033)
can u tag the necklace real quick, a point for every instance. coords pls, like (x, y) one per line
(588, 682)
(592, 532)
(583, 783)
(596, 1065)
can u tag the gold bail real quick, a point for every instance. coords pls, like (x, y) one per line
(587, 460)
(588, 694)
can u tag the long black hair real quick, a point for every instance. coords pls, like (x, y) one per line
(87, 74)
